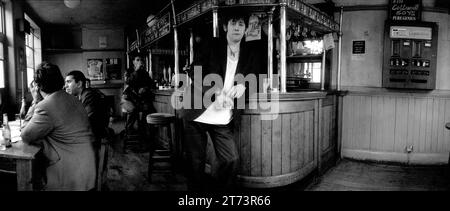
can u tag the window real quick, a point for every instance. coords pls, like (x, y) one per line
(2, 48)
(314, 68)
(33, 48)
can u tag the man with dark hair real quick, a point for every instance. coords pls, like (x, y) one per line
(60, 124)
(136, 94)
(226, 57)
(93, 101)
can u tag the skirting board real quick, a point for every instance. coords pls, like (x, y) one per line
(413, 158)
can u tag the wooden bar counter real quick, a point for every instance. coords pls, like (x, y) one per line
(281, 141)
(285, 149)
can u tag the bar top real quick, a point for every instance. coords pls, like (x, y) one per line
(19, 150)
(288, 96)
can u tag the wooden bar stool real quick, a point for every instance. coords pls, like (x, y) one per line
(160, 121)
(130, 139)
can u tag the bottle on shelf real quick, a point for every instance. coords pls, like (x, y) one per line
(185, 71)
(6, 131)
(169, 76)
(163, 79)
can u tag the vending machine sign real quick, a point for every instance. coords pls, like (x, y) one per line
(411, 32)
(405, 10)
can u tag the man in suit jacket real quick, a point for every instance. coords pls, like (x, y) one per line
(222, 59)
(61, 126)
(137, 96)
(93, 101)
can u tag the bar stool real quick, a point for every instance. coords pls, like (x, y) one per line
(159, 121)
(130, 140)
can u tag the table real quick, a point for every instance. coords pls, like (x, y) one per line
(21, 155)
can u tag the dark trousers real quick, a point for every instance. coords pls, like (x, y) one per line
(131, 120)
(225, 149)
(138, 115)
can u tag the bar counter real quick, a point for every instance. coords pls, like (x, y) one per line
(293, 136)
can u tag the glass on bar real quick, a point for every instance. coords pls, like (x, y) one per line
(18, 117)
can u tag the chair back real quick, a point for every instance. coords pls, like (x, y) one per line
(102, 165)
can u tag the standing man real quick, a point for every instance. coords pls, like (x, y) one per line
(225, 57)
(93, 101)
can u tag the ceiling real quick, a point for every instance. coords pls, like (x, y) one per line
(121, 12)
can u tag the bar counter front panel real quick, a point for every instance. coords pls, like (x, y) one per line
(277, 152)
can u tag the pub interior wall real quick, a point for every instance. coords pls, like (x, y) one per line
(90, 48)
(365, 70)
(380, 124)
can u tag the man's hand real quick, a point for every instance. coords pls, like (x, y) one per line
(236, 91)
(142, 90)
(223, 101)
(37, 97)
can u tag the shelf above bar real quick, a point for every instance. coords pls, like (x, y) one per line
(195, 11)
(313, 16)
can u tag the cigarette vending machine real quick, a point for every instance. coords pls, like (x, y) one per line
(410, 52)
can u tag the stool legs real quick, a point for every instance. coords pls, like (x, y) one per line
(160, 155)
(134, 139)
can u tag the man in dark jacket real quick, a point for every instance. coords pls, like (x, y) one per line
(136, 94)
(93, 101)
(222, 59)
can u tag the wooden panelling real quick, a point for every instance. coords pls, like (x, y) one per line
(266, 147)
(390, 123)
(278, 148)
(328, 138)
(295, 162)
(246, 151)
(277, 152)
(255, 146)
(285, 145)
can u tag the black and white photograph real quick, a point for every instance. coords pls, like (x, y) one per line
(198, 98)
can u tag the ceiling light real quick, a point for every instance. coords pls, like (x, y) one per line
(72, 3)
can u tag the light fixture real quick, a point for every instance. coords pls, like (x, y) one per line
(151, 20)
(72, 3)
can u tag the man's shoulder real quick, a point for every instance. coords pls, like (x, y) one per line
(54, 100)
(92, 93)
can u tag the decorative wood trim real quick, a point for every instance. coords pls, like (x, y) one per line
(339, 120)
(276, 181)
(376, 91)
(318, 133)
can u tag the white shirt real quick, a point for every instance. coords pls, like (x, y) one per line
(215, 116)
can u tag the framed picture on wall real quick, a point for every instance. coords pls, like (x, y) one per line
(95, 69)
(113, 68)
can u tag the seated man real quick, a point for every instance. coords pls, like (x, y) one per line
(60, 125)
(137, 95)
(93, 101)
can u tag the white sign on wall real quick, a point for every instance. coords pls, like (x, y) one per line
(102, 42)
(411, 32)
